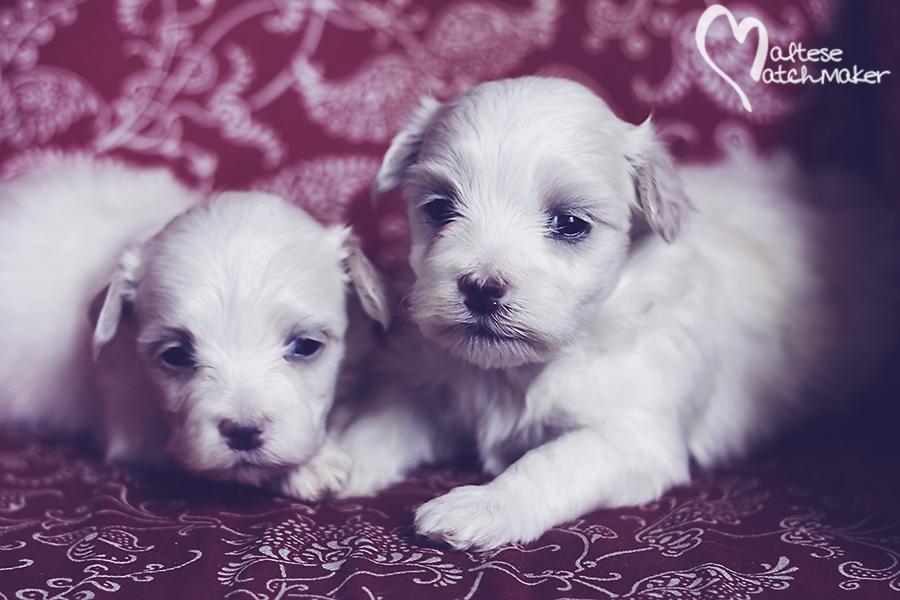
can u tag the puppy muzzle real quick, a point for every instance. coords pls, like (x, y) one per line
(241, 437)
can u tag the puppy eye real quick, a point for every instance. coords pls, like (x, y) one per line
(568, 226)
(178, 357)
(301, 347)
(440, 211)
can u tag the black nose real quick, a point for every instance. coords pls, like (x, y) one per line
(482, 297)
(241, 436)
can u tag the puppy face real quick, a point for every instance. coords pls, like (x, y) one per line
(240, 312)
(521, 195)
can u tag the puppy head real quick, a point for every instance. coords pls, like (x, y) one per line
(239, 306)
(521, 196)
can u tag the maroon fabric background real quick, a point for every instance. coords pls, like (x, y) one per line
(302, 98)
(818, 518)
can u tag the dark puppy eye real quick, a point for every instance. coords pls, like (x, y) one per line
(179, 357)
(301, 347)
(440, 210)
(568, 226)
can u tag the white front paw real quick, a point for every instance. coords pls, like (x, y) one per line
(473, 517)
(324, 476)
(372, 471)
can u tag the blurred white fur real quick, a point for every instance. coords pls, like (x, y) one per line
(586, 357)
(219, 339)
(63, 222)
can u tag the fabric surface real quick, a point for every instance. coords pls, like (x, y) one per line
(817, 518)
(301, 98)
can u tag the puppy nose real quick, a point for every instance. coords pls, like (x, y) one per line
(482, 297)
(241, 436)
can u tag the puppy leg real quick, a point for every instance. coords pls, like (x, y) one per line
(323, 476)
(582, 470)
(385, 443)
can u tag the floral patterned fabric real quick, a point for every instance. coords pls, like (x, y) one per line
(817, 519)
(301, 97)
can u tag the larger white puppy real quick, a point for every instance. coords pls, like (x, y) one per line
(219, 339)
(586, 358)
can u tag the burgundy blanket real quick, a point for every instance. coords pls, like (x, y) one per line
(816, 519)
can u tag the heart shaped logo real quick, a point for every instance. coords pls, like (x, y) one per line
(740, 32)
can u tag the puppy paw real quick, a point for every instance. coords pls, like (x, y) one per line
(367, 482)
(370, 473)
(324, 476)
(472, 518)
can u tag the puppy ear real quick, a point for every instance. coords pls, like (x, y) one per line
(404, 149)
(119, 295)
(660, 197)
(370, 287)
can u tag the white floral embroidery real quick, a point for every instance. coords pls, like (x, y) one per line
(465, 44)
(713, 582)
(827, 541)
(307, 552)
(608, 20)
(182, 83)
(324, 186)
(683, 526)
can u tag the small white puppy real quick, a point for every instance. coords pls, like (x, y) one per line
(586, 357)
(218, 342)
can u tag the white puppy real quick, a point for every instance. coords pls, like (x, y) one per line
(586, 358)
(219, 340)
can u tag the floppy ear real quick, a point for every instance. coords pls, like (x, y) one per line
(660, 197)
(119, 295)
(370, 287)
(404, 149)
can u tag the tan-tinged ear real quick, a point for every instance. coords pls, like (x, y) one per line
(370, 287)
(120, 294)
(660, 196)
(404, 149)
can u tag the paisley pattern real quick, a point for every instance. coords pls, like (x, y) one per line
(73, 528)
(243, 93)
(300, 97)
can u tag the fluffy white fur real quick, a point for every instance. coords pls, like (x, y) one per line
(63, 223)
(219, 339)
(587, 366)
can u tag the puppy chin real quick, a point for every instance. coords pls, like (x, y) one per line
(203, 452)
(250, 468)
(246, 473)
(496, 353)
(487, 345)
